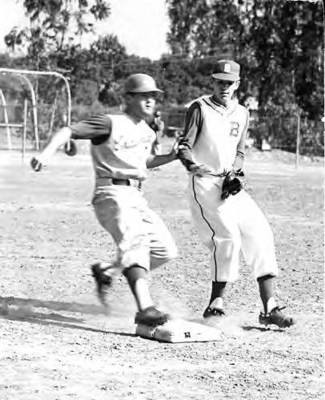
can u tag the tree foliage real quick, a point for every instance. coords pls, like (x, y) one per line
(279, 45)
(55, 25)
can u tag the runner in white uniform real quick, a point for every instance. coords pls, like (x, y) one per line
(212, 144)
(122, 149)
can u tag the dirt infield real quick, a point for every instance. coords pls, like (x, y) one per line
(57, 343)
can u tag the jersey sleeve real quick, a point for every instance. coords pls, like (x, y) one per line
(193, 124)
(97, 127)
(240, 154)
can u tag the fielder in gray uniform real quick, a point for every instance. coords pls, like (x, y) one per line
(212, 148)
(122, 150)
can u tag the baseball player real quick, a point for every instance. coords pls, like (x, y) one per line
(121, 151)
(227, 219)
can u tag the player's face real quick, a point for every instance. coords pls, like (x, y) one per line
(141, 105)
(224, 90)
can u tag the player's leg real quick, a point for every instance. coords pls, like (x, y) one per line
(162, 244)
(122, 217)
(162, 249)
(259, 253)
(218, 230)
(216, 307)
(106, 209)
(147, 314)
(225, 247)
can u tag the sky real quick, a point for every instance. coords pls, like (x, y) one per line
(140, 25)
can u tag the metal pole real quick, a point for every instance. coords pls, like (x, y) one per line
(298, 139)
(44, 73)
(24, 129)
(6, 119)
(34, 109)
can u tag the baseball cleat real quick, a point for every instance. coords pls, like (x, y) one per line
(276, 317)
(103, 282)
(150, 316)
(213, 312)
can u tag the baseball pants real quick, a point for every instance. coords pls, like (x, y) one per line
(140, 235)
(228, 227)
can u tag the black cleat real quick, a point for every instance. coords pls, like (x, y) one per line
(276, 317)
(213, 312)
(103, 281)
(150, 316)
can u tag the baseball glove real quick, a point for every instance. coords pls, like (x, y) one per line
(232, 184)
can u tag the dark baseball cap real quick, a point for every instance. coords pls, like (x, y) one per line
(140, 83)
(226, 70)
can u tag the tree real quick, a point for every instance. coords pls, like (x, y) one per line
(54, 25)
(287, 41)
(106, 52)
(278, 44)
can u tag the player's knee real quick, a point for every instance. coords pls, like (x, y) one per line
(170, 253)
(163, 256)
(227, 245)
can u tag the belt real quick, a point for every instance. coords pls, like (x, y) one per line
(124, 182)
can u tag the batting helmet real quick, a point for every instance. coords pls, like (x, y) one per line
(140, 83)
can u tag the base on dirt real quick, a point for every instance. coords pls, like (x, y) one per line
(179, 331)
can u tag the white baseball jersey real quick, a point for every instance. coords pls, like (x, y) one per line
(215, 136)
(221, 135)
(119, 143)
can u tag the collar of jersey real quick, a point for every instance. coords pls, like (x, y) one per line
(212, 102)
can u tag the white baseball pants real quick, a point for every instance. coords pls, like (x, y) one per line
(140, 235)
(229, 226)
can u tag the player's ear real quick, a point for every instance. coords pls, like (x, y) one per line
(128, 100)
(237, 84)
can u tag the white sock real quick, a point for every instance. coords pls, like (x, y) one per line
(217, 303)
(270, 304)
(142, 294)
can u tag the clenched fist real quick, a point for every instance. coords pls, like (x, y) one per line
(36, 164)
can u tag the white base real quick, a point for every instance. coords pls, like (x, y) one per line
(178, 331)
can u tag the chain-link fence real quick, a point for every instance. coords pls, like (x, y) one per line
(33, 104)
(23, 128)
(293, 134)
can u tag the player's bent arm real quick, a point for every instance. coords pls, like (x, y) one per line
(239, 162)
(193, 126)
(130, 173)
(154, 161)
(60, 138)
(240, 155)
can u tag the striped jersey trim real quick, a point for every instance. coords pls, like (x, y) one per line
(209, 225)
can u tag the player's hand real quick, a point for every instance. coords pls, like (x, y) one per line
(36, 164)
(141, 175)
(200, 170)
(174, 150)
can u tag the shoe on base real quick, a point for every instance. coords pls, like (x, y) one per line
(103, 281)
(213, 312)
(150, 316)
(276, 317)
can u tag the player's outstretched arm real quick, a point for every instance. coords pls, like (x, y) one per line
(59, 138)
(155, 160)
(200, 170)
